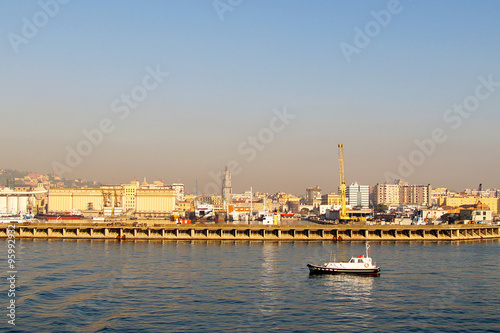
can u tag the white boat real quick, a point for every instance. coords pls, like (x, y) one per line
(268, 218)
(360, 265)
(10, 218)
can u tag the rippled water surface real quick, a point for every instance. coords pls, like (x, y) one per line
(155, 286)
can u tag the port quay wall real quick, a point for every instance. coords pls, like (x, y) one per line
(257, 232)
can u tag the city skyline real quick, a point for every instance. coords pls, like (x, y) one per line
(179, 90)
(16, 178)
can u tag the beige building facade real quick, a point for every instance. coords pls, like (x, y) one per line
(63, 200)
(155, 201)
(387, 194)
(331, 199)
(398, 194)
(113, 199)
(492, 203)
(415, 194)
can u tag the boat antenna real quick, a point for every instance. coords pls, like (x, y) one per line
(367, 249)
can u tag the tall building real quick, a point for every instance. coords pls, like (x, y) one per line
(227, 190)
(415, 195)
(313, 196)
(358, 195)
(387, 194)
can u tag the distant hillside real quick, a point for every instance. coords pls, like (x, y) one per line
(8, 178)
(8, 174)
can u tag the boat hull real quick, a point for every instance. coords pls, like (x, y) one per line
(315, 269)
(59, 217)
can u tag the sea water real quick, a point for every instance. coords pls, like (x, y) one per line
(200, 286)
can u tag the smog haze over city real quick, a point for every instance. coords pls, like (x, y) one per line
(177, 90)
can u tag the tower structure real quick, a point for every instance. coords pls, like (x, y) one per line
(227, 190)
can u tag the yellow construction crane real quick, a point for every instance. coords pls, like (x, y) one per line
(343, 210)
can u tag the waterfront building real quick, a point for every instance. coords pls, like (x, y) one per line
(458, 201)
(155, 202)
(476, 215)
(358, 195)
(21, 202)
(387, 194)
(403, 193)
(63, 200)
(129, 196)
(415, 194)
(143, 200)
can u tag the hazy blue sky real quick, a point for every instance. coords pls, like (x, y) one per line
(373, 75)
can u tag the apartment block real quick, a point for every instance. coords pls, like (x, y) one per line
(403, 193)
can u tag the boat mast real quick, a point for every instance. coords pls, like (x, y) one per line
(343, 210)
(196, 194)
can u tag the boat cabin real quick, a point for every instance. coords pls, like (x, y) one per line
(360, 260)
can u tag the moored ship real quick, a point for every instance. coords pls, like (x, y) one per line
(66, 216)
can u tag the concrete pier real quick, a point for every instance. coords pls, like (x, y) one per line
(340, 233)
